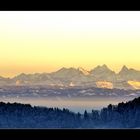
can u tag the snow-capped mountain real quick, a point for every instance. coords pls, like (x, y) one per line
(66, 73)
(100, 76)
(124, 70)
(72, 76)
(85, 72)
(103, 73)
(129, 74)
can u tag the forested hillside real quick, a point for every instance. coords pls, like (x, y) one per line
(123, 115)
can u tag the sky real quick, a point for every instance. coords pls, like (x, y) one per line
(45, 41)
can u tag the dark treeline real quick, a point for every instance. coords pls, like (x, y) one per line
(123, 115)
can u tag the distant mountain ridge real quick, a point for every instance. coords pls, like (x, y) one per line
(100, 76)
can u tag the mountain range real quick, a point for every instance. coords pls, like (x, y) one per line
(100, 76)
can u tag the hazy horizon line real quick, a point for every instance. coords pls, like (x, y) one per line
(66, 68)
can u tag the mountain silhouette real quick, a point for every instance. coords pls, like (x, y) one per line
(129, 74)
(124, 70)
(79, 77)
(17, 115)
(103, 73)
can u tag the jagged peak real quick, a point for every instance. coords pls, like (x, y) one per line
(80, 68)
(124, 69)
(103, 67)
(85, 72)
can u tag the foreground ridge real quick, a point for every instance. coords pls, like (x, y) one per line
(123, 115)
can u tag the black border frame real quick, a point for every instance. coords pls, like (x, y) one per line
(68, 133)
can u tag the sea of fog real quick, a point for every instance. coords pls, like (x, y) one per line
(75, 105)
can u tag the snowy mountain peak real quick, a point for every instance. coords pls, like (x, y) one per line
(85, 72)
(102, 68)
(124, 69)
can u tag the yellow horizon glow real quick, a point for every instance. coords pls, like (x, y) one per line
(39, 41)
